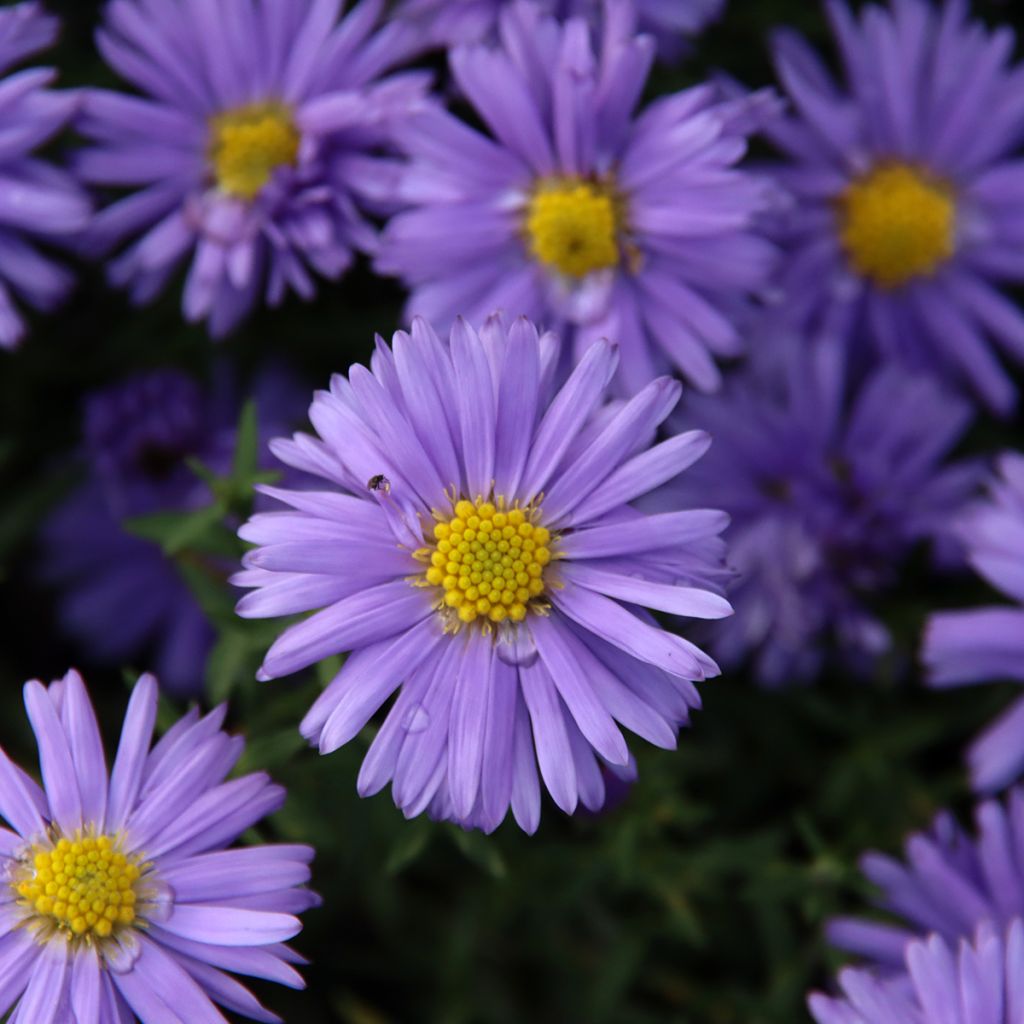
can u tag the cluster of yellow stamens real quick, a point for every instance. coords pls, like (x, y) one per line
(572, 226)
(84, 886)
(488, 560)
(897, 223)
(248, 144)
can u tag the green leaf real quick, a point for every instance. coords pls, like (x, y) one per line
(176, 531)
(226, 664)
(247, 444)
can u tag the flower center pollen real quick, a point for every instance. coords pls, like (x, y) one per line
(897, 223)
(572, 226)
(488, 560)
(83, 886)
(248, 144)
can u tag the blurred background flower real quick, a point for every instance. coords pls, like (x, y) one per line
(39, 201)
(252, 150)
(122, 598)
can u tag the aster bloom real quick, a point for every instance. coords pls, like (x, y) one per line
(38, 201)
(574, 212)
(670, 22)
(950, 883)
(963, 647)
(907, 212)
(121, 598)
(120, 898)
(250, 150)
(831, 480)
(479, 553)
(977, 982)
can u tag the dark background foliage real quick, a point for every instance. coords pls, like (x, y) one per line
(700, 898)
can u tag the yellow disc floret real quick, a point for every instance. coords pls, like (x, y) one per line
(897, 223)
(488, 561)
(248, 144)
(85, 887)
(572, 227)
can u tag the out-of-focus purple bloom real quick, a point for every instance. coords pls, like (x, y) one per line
(984, 644)
(121, 597)
(908, 210)
(975, 982)
(251, 149)
(119, 900)
(480, 553)
(830, 480)
(576, 213)
(457, 22)
(38, 201)
(950, 884)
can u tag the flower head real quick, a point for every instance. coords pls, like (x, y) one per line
(121, 597)
(967, 983)
(479, 552)
(831, 479)
(963, 647)
(120, 898)
(252, 149)
(38, 201)
(906, 218)
(575, 212)
(950, 884)
(670, 22)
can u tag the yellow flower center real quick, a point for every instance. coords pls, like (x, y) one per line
(897, 223)
(248, 144)
(83, 886)
(572, 226)
(488, 561)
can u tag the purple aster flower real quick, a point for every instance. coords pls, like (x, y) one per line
(576, 213)
(122, 598)
(830, 481)
(962, 647)
(908, 211)
(120, 900)
(950, 883)
(450, 23)
(980, 983)
(479, 552)
(38, 201)
(251, 149)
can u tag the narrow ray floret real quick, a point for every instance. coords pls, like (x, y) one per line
(39, 202)
(977, 981)
(949, 883)
(120, 899)
(578, 212)
(256, 147)
(907, 212)
(987, 644)
(479, 552)
(670, 22)
(832, 478)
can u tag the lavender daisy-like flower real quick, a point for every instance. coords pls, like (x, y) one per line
(480, 553)
(978, 982)
(830, 480)
(577, 213)
(121, 597)
(907, 212)
(119, 899)
(670, 22)
(964, 647)
(38, 201)
(949, 884)
(250, 149)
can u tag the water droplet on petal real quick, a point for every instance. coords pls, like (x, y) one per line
(515, 645)
(417, 718)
